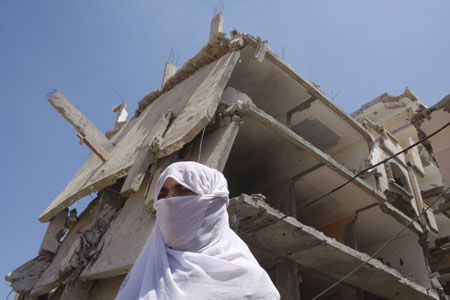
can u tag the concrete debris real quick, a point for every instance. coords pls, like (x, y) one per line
(238, 107)
(25, 277)
(121, 110)
(261, 50)
(236, 43)
(55, 231)
(72, 220)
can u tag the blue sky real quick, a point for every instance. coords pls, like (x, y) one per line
(87, 49)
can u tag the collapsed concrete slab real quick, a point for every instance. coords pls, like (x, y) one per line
(202, 89)
(24, 278)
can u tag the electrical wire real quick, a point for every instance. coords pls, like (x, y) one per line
(258, 227)
(377, 164)
(347, 182)
(382, 247)
(9, 294)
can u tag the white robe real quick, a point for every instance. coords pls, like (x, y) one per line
(192, 253)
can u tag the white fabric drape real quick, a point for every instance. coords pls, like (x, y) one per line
(192, 253)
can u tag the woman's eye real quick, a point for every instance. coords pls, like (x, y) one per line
(186, 191)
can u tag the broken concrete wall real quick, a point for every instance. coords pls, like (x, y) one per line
(353, 157)
(404, 116)
(405, 255)
(432, 178)
(397, 178)
(427, 121)
(373, 227)
(392, 112)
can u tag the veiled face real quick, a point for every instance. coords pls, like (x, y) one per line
(172, 188)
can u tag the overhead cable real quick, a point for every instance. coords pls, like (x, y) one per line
(382, 247)
(377, 164)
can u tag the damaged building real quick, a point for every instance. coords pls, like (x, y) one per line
(283, 146)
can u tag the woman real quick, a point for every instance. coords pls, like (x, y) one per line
(192, 253)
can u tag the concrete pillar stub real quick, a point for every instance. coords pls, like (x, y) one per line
(121, 110)
(169, 71)
(418, 201)
(216, 25)
(349, 293)
(77, 290)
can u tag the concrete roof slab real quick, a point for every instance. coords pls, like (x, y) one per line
(193, 102)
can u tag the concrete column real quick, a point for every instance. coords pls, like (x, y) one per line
(287, 280)
(417, 194)
(348, 293)
(77, 290)
(169, 71)
(216, 25)
(121, 110)
(288, 204)
(54, 233)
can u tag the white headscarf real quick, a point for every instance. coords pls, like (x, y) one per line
(192, 253)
